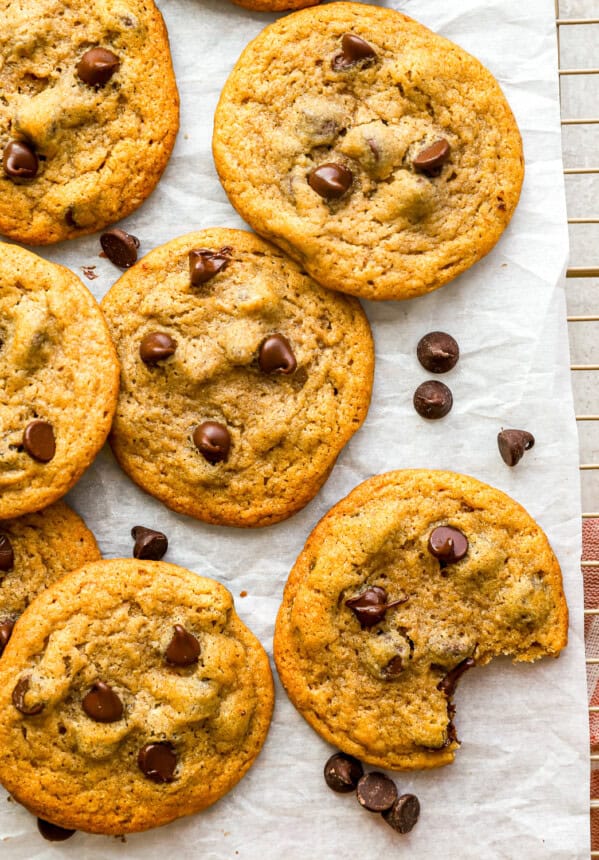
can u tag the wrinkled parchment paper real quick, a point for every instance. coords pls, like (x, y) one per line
(519, 786)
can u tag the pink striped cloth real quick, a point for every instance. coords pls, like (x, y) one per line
(590, 552)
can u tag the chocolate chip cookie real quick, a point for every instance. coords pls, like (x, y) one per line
(59, 381)
(381, 156)
(131, 694)
(88, 115)
(414, 578)
(241, 378)
(274, 5)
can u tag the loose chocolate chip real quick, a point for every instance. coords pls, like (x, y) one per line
(376, 792)
(7, 556)
(438, 352)
(102, 704)
(52, 832)
(276, 355)
(404, 813)
(342, 772)
(18, 699)
(120, 247)
(6, 628)
(39, 441)
(20, 160)
(331, 181)
(157, 762)
(370, 606)
(393, 668)
(183, 649)
(212, 441)
(512, 445)
(205, 264)
(447, 544)
(432, 157)
(156, 346)
(97, 66)
(450, 681)
(354, 50)
(433, 399)
(149, 544)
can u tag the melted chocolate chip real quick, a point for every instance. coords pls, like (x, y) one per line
(404, 813)
(276, 355)
(102, 704)
(156, 346)
(450, 681)
(376, 792)
(331, 180)
(149, 544)
(183, 649)
(433, 399)
(20, 160)
(6, 628)
(354, 51)
(7, 556)
(205, 264)
(120, 247)
(212, 441)
(97, 66)
(39, 441)
(512, 445)
(342, 773)
(370, 606)
(18, 699)
(430, 159)
(438, 352)
(52, 832)
(394, 668)
(447, 544)
(158, 762)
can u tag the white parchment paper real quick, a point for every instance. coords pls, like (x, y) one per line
(519, 786)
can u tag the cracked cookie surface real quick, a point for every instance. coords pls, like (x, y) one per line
(369, 91)
(239, 392)
(100, 147)
(376, 676)
(107, 725)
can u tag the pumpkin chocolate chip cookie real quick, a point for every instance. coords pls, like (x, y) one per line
(241, 378)
(382, 157)
(131, 694)
(413, 579)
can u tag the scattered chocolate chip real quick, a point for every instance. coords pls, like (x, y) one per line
(183, 649)
(102, 704)
(7, 556)
(433, 399)
(97, 66)
(342, 772)
(39, 441)
(432, 157)
(447, 544)
(156, 346)
(52, 832)
(331, 181)
(512, 445)
(354, 50)
(120, 247)
(394, 668)
(18, 699)
(205, 264)
(149, 544)
(438, 352)
(90, 272)
(212, 441)
(376, 792)
(276, 355)
(157, 762)
(450, 681)
(6, 628)
(20, 160)
(370, 606)
(404, 813)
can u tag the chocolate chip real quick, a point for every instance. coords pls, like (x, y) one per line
(342, 772)
(157, 762)
(212, 441)
(205, 264)
(156, 346)
(120, 247)
(6, 628)
(433, 399)
(512, 445)
(149, 544)
(450, 681)
(438, 352)
(447, 544)
(102, 704)
(7, 556)
(20, 160)
(18, 699)
(370, 606)
(354, 51)
(394, 668)
(276, 355)
(432, 157)
(331, 181)
(376, 792)
(52, 832)
(183, 649)
(404, 813)
(39, 441)
(97, 66)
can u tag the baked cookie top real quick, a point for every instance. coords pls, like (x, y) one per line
(381, 156)
(241, 379)
(131, 695)
(88, 115)
(274, 5)
(413, 578)
(59, 381)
